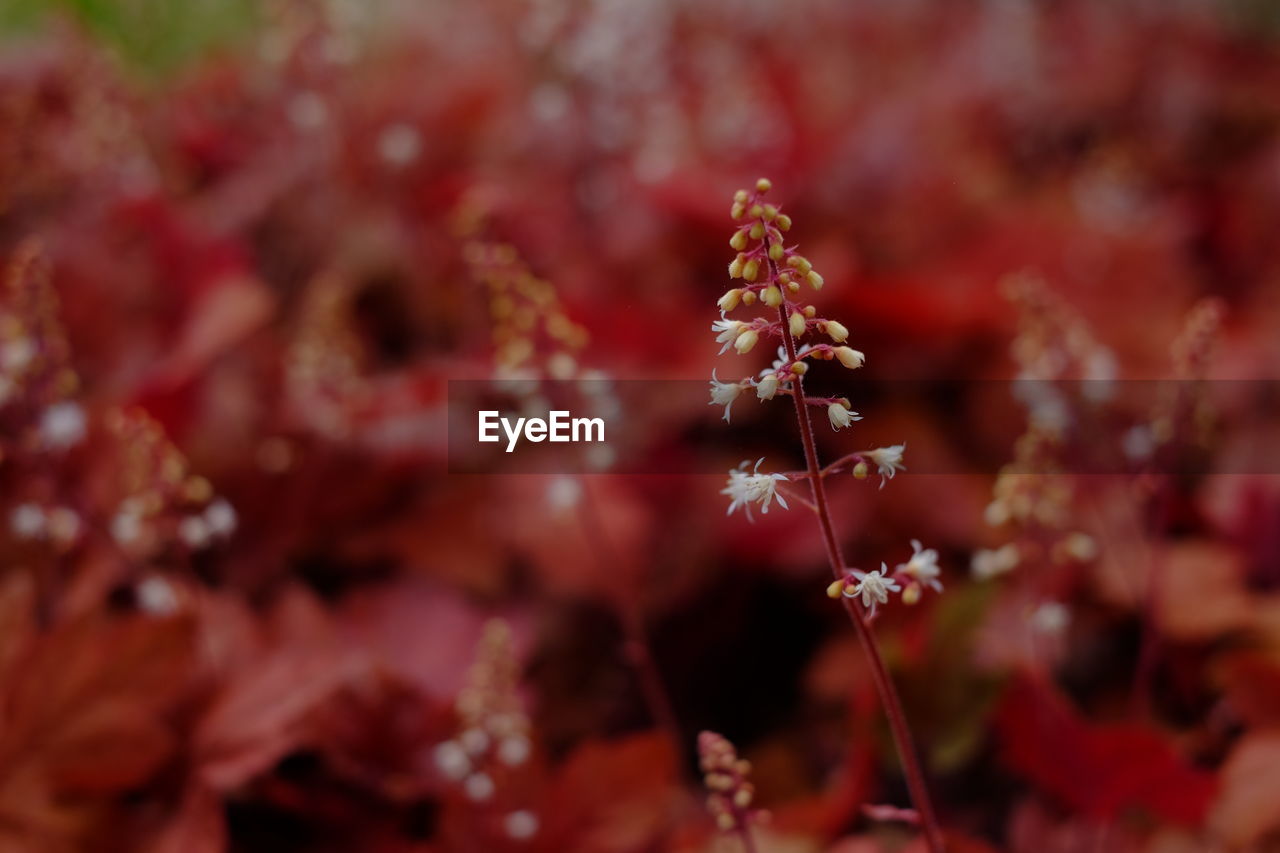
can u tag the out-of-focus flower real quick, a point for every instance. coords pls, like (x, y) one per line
(988, 563)
(922, 567)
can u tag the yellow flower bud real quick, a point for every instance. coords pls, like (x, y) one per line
(746, 341)
(849, 357)
(810, 311)
(756, 211)
(735, 267)
(836, 331)
(911, 594)
(835, 589)
(740, 196)
(749, 298)
(800, 368)
(797, 324)
(751, 269)
(772, 296)
(770, 212)
(730, 300)
(784, 222)
(738, 240)
(757, 231)
(763, 185)
(737, 210)
(794, 286)
(799, 263)
(815, 280)
(776, 252)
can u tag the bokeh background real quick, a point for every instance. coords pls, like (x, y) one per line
(244, 606)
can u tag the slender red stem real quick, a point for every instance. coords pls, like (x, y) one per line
(636, 645)
(879, 672)
(748, 842)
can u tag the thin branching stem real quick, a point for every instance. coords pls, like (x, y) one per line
(879, 672)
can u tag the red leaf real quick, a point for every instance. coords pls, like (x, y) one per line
(1098, 770)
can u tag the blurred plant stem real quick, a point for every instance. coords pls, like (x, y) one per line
(636, 646)
(889, 699)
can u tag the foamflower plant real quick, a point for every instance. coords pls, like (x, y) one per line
(773, 281)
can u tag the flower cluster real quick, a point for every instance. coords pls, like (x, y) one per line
(163, 501)
(36, 380)
(493, 737)
(730, 794)
(909, 578)
(774, 275)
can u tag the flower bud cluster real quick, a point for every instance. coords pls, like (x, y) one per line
(730, 794)
(774, 276)
(36, 380)
(910, 579)
(323, 366)
(163, 501)
(532, 334)
(493, 737)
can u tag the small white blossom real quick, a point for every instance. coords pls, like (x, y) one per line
(988, 563)
(841, 416)
(474, 741)
(194, 532)
(874, 587)
(478, 787)
(746, 488)
(451, 760)
(221, 518)
(728, 331)
(399, 145)
(156, 596)
(62, 425)
(923, 566)
(27, 521)
(16, 354)
(514, 750)
(564, 493)
(1051, 617)
(521, 825)
(723, 394)
(888, 461)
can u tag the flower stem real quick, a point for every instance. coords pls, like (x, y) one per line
(879, 672)
(636, 645)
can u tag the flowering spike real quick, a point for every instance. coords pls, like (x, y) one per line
(725, 776)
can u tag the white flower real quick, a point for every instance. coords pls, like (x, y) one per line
(724, 393)
(840, 416)
(1051, 617)
(221, 518)
(874, 587)
(62, 425)
(28, 521)
(767, 387)
(478, 787)
(521, 825)
(888, 461)
(923, 566)
(988, 563)
(452, 760)
(728, 332)
(746, 488)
